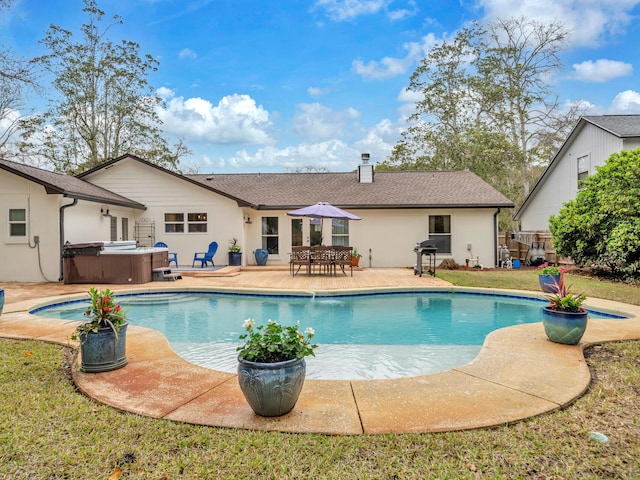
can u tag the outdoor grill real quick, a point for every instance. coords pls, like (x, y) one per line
(425, 248)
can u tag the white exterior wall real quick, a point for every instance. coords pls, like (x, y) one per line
(389, 236)
(85, 222)
(20, 258)
(561, 184)
(163, 193)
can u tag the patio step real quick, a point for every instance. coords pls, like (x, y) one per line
(164, 274)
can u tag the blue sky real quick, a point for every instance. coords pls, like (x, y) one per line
(273, 85)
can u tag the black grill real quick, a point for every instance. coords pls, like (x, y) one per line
(425, 248)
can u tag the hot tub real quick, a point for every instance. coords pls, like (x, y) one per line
(111, 262)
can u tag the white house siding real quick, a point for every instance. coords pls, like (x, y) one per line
(389, 236)
(164, 193)
(561, 183)
(85, 222)
(21, 260)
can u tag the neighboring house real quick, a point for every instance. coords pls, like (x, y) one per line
(589, 145)
(149, 203)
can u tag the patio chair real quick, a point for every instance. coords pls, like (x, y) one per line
(342, 257)
(173, 256)
(322, 258)
(205, 257)
(300, 256)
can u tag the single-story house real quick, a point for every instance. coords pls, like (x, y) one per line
(129, 198)
(589, 145)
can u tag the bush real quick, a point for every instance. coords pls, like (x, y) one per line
(601, 226)
(449, 264)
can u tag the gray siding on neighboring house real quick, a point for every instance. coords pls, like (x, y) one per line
(594, 139)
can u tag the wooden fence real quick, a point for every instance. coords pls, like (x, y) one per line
(520, 243)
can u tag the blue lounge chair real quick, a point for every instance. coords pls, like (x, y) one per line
(205, 257)
(173, 257)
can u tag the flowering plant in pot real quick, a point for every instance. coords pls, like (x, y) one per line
(355, 257)
(564, 319)
(271, 366)
(548, 275)
(235, 257)
(233, 246)
(103, 337)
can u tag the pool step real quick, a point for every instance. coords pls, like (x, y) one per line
(164, 274)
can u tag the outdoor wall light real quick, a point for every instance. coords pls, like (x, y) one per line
(247, 219)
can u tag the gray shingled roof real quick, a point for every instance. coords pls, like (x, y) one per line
(389, 190)
(619, 125)
(72, 187)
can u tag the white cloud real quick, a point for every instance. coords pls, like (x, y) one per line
(408, 99)
(589, 21)
(340, 10)
(315, 122)
(391, 67)
(410, 96)
(316, 92)
(626, 102)
(403, 13)
(334, 154)
(601, 70)
(187, 53)
(236, 119)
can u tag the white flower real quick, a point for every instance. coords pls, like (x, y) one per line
(248, 323)
(270, 322)
(310, 331)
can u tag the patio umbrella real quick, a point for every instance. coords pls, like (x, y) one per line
(323, 210)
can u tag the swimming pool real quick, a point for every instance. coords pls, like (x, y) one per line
(361, 336)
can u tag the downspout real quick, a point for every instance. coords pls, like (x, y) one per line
(62, 208)
(495, 237)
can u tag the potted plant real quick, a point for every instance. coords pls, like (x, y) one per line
(103, 337)
(271, 365)
(564, 319)
(235, 255)
(548, 276)
(355, 257)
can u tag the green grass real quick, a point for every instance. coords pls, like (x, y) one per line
(527, 279)
(49, 431)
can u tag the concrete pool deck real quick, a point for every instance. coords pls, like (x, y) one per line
(518, 373)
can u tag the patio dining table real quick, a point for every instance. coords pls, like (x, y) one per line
(327, 259)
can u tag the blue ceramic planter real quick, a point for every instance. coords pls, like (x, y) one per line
(1, 300)
(271, 389)
(564, 327)
(546, 282)
(262, 255)
(103, 351)
(235, 259)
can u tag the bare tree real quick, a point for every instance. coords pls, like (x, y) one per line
(16, 75)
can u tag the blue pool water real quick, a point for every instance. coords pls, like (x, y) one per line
(360, 336)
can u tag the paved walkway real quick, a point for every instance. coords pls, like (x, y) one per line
(518, 373)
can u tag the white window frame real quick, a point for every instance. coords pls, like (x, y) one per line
(583, 165)
(268, 236)
(340, 239)
(195, 222)
(12, 223)
(439, 236)
(191, 222)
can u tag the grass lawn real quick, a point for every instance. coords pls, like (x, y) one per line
(48, 430)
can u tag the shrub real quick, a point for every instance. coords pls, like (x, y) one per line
(601, 226)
